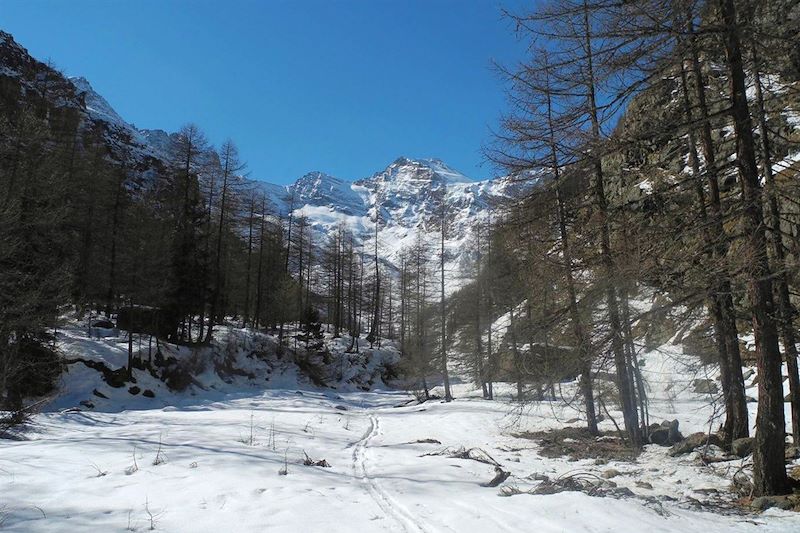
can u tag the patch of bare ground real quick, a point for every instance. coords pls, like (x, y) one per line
(577, 443)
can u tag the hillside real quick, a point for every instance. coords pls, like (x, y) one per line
(408, 193)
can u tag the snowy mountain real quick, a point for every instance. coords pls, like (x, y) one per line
(409, 195)
(145, 148)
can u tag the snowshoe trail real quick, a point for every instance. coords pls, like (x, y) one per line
(405, 520)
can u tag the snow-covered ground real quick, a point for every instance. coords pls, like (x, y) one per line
(220, 466)
(86, 471)
(227, 454)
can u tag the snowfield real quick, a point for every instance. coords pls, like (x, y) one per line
(228, 453)
(90, 471)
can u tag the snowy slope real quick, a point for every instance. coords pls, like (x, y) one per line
(216, 454)
(217, 466)
(144, 148)
(410, 196)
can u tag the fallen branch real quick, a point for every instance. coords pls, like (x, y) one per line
(500, 476)
(475, 454)
(425, 441)
(308, 461)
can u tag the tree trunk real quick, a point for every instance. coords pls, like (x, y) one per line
(376, 314)
(259, 288)
(629, 410)
(785, 309)
(443, 319)
(768, 454)
(246, 313)
(512, 332)
(736, 423)
(584, 352)
(720, 272)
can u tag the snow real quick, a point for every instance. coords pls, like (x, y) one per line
(96, 104)
(211, 458)
(787, 163)
(223, 445)
(78, 472)
(646, 186)
(408, 194)
(792, 118)
(320, 189)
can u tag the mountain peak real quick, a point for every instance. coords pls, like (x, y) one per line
(426, 169)
(96, 105)
(6, 39)
(321, 189)
(14, 58)
(316, 176)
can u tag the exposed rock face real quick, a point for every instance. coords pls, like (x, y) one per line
(409, 198)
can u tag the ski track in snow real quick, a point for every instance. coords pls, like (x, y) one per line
(76, 469)
(390, 470)
(380, 496)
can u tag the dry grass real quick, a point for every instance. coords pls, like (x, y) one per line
(577, 443)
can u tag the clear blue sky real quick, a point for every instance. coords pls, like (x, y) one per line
(341, 86)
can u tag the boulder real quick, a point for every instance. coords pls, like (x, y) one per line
(134, 390)
(611, 472)
(674, 434)
(705, 386)
(665, 434)
(693, 441)
(148, 393)
(762, 503)
(117, 378)
(660, 436)
(742, 447)
(622, 492)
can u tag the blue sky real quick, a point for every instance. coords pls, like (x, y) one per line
(341, 86)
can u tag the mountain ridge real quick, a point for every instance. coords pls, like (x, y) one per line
(408, 197)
